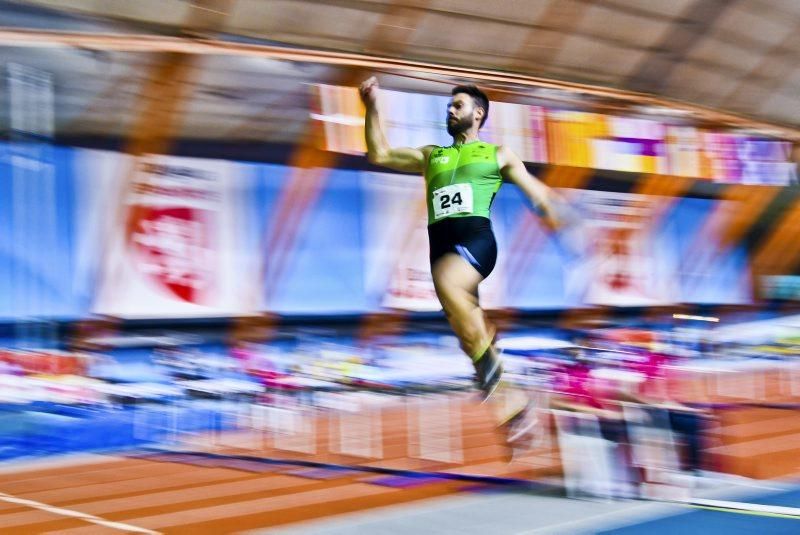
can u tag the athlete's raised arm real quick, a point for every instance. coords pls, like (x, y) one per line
(411, 160)
(555, 212)
(544, 200)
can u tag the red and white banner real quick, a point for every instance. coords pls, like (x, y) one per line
(411, 283)
(625, 267)
(173, 255)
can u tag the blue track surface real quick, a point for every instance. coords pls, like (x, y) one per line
(710, 522)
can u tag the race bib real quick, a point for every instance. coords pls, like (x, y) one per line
(453, 199)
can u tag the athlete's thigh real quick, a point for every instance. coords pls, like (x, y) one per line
(456, 283)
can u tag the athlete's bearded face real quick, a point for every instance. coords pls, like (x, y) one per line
(462, 114)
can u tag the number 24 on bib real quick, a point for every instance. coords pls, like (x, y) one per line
(454, 199)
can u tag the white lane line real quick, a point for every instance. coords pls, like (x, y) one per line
(76, 514)
(751, 507)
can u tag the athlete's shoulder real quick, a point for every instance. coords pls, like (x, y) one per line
(428, 149)
(505, 155)
(504, 149)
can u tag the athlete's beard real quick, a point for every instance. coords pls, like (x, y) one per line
(459, 126)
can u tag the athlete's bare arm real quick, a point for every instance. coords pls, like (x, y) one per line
(411, 160)
(543, 198)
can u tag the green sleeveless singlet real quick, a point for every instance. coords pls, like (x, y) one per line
(461, 180)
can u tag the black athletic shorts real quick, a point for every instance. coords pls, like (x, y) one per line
(469, 237)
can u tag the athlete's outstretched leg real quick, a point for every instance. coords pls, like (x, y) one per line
(456, 283)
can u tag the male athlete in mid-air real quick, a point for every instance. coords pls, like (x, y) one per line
(461, 182)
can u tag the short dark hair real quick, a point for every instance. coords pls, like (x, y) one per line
(478, 97)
